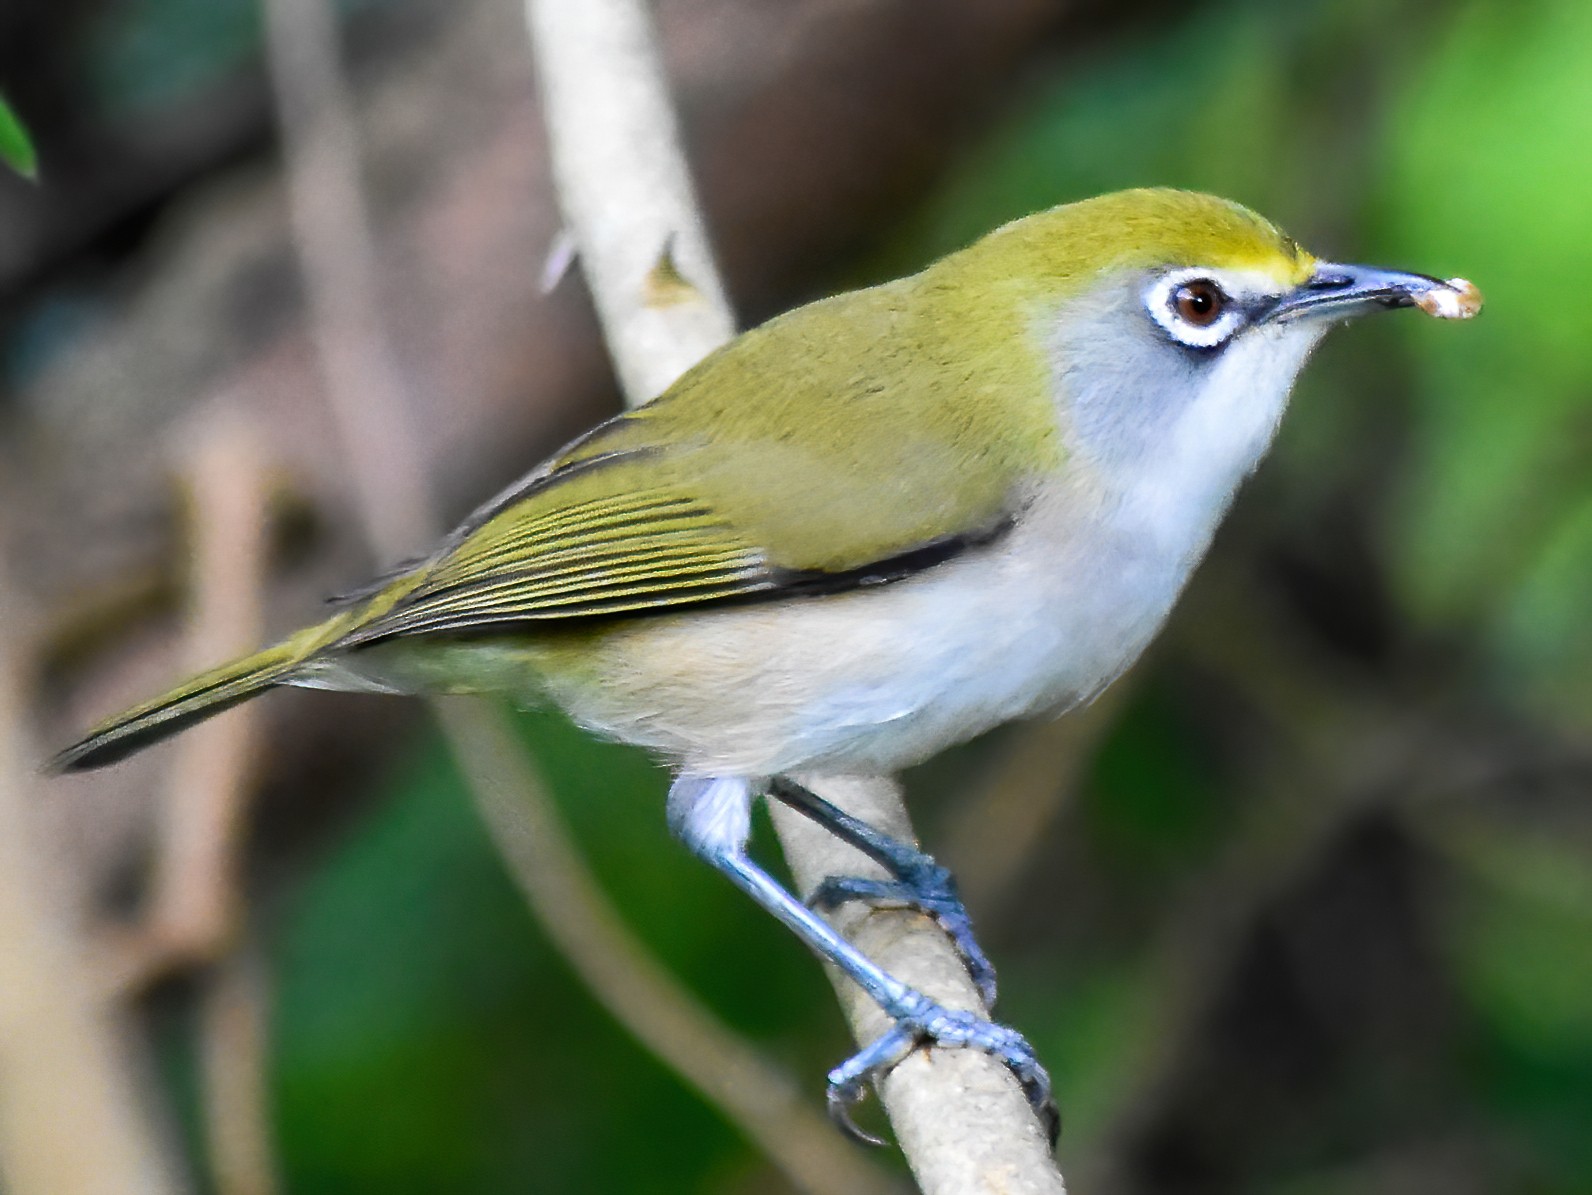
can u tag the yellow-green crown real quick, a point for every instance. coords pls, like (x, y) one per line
(1141, 228)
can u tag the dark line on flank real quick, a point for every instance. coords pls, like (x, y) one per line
(776, 584)
(817, 582)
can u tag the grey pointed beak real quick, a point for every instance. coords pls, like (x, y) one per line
(1337, 291)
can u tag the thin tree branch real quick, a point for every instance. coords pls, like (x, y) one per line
(626, 192)
(195, 902)
(331, 234)
(234, 1045)
(364, 392)
(74, 1119)
(627, 198)
(195, 912)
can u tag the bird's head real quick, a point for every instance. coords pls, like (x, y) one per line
(1175, 323)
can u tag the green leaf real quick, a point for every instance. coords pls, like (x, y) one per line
(16, 147)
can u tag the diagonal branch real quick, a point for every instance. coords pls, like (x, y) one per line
(627, 197)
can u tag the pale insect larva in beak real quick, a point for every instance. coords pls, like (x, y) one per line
(1458, 298)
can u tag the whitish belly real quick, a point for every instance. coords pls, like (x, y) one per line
(881, 678)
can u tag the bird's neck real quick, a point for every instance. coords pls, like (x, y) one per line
(1165, 453)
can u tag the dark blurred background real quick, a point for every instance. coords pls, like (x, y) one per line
(1305, 905)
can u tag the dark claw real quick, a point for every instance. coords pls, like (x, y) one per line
(922, 1022)
(1049, 1115)
(840, 1105)
(848, 1082)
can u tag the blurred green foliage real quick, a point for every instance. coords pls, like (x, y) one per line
(140, 58)
(428, 1038)
(1494, 530)
(16, 147)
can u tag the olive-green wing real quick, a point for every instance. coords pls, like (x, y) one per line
(572, 551)
(575, 551)
(746, 481)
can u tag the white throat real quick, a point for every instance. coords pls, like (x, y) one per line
(1185, 481)
(1165, 433)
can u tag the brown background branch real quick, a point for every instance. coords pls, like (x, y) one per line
(74, 1114)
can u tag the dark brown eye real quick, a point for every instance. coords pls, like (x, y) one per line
(1199, 302)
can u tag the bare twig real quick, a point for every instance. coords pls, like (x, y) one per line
(627, 198)
(234, 1047)
(625, 190)
(331, 233)
(364, 391)
(195, 909)
(73, 1117)
(195, 904)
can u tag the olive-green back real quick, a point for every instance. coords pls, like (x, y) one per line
(854, 440)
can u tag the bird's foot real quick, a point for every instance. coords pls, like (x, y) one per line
(921, 1022)
(924, 885)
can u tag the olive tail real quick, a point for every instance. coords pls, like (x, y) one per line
(192, 701)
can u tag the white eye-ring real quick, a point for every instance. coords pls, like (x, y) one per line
(1193, 308)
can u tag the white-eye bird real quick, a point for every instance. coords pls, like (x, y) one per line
(868, 529)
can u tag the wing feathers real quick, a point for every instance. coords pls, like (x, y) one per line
(677, 505)
(632, 551)
(629, 551)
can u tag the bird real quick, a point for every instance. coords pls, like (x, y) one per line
(870, 528)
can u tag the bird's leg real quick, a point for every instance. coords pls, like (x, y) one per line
(712, 816)
(920, 883)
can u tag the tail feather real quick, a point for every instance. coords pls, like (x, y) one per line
(192, 701)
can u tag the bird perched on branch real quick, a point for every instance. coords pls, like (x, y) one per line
(868, 529)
